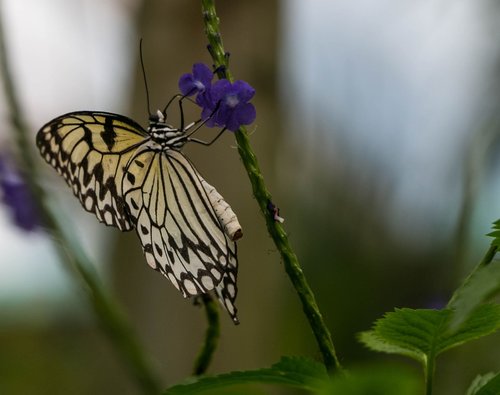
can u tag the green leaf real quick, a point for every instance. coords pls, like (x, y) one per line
(481, 286)
(377, 343)
(483, 321)
(495, 233)
(424, 334)
(488, 384)
(295, 372)
(374, 380)
(413, 333)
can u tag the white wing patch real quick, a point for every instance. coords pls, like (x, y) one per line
(224, 212)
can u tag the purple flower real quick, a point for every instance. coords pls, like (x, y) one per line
(223, 104)
(15, 194)
(233, 107)
(198, 82)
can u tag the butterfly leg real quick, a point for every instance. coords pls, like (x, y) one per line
(207, 143)
(199, 125)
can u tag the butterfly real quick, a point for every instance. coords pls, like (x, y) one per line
(132, 178)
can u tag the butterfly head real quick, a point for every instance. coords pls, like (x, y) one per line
(157, 117)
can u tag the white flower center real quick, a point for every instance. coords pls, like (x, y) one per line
(232, 101)
(199, 85)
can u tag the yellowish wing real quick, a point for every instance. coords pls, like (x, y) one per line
(90, 150)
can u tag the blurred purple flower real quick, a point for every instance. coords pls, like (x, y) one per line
(14, 193)
(436, 303)
(233, 107)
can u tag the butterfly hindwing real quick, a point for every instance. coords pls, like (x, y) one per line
(90, 150)
(180, 232)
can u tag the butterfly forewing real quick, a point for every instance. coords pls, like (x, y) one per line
(90, 150)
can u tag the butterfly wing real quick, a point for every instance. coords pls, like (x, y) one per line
(90, 150)
(185, 227)
(181, 234)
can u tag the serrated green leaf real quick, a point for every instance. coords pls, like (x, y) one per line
(488, 384)
(481, 286)
(295, 372)
(413, 333)
(423, 334)
(374, 380)
(375, 342)
(495, 233)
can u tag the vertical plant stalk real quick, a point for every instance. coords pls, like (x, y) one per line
(479, 151)
(488, 257)
(107, 311)
(212, 334)
(429, 375)
(263, 197)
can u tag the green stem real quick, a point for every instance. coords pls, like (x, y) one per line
(429, 375)
(478, 153)
(263, 197)
(488, 257)
(111, 318)
(211, 336)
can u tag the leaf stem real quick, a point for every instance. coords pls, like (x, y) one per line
(211, 336)
(107, 311)
(263, 197)
(429, 374)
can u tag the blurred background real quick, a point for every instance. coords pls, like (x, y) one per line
(376, 132)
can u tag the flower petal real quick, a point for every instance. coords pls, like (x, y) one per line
(222, 115)
(205, 99)
(244, 91)
(245, 113)
(232, 122)
(202, 73)
(220, 89)
(16, 195)
(207, 113)
(187, 85)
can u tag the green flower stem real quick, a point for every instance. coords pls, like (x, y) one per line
(211, 336)
(111, 318)
(263, 197)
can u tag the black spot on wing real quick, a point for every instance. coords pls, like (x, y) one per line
(139, 163)
(109, 134)
(159, 250)
(134, 204)
(87, 135)
(131, 177)
(98, 173)
(84, 164)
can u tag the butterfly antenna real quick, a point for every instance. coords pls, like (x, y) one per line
(144, 77)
